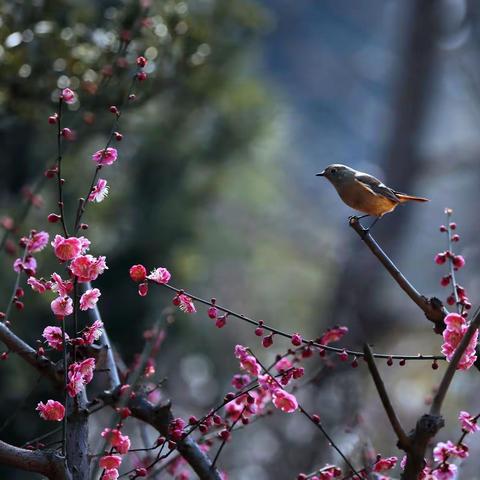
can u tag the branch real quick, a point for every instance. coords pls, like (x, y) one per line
(452, 367)
(47, 463)
(104, 341)
(39, 362)
(431, 307)
(403, 441)
(160, 417)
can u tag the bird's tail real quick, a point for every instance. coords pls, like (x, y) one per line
(407, 198)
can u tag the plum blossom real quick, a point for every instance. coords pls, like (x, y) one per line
(99, 191)
(138, 273)
(68, 96)
(383, 464)
(105, 156)
(69, 248)
(62, 306)
(283, 364)
(333, 335)
(185, 303)
(468, 422)
(456, 327)
(93, 333)
(247, 362)
(446, 471)
(444, 450)
(110, 474)
(89, 299)
(54, 338)
(37, 242)
(60, 286)
(284, 401)
(52, 410)
(116, 439)
(29, 265)
(87, 267)
(110, 461)
(37, 285)
(80, 374)
(160, 275)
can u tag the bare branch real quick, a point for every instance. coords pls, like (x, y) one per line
(432, 308)
(403, 441)
(47, 463)
(16, 345)
(452, 367)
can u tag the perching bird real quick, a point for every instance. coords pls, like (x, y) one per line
(365, 193)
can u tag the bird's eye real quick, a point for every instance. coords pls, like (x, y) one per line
(333, 170)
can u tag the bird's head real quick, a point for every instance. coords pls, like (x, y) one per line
(336, 173)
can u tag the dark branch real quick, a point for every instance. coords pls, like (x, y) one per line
(47, 463)
(160, 417)
(403, 441)
(431, 307)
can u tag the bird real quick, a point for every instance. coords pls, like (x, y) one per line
(364, 192)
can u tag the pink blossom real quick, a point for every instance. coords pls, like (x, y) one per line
(52, 410)
(185, 303)
(113, 436)
(111, 474)
(283, 364)
(452, 339)
(284, 401)
(106, 156)
(333, 335)
(87, 267)
(69, 248)
(54, 338)
(160, 275)
(29, 265)
(138, 273)
(446, 471)
(99, 191)
(110, 461)
(85, 368)
(385, 464)
(176, 428)
(37, 242)
(68, 96)
(239, 381)
(123, 445)
(468, 422)
(297, 339)
(62, 306)
(250, 365)
(454, 322)
(75, 384)
(37, 285)
(444, 450)
(267, 382)
(93, 333)
(62, 287)
(89, 299)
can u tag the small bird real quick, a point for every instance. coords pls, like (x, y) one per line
(365, 193)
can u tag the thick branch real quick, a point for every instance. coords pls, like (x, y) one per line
(403, 441)
(47, 463)
(160, 417)
(452, 367)
(432, 308)
(16, 345)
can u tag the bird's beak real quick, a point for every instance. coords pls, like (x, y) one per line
(321, 174)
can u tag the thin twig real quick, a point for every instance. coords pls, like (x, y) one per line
(403, 440)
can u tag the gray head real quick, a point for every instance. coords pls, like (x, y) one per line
(337, 173)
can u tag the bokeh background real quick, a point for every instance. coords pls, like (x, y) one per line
(245, 102)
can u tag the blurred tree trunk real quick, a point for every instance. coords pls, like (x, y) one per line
(356, 301)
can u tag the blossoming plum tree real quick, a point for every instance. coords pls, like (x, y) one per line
(195, 444)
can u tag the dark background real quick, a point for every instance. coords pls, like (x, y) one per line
(246, 101)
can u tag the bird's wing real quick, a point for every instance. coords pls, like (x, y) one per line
(376, 186)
